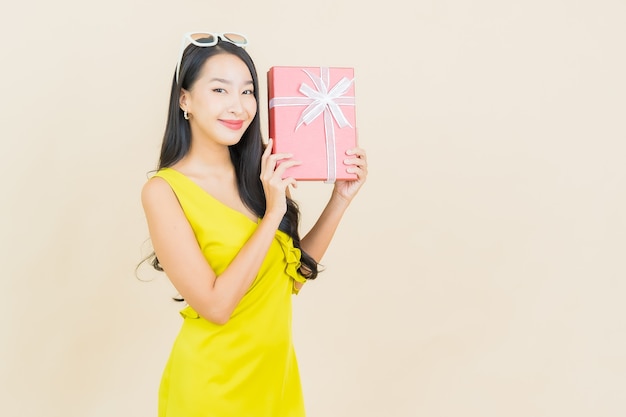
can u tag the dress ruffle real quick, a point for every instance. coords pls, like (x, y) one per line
(292, 256)
(189, 313)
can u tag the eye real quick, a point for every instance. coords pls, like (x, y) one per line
(219, 90)
(248, 92)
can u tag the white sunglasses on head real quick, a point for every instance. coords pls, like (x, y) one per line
(204, 39)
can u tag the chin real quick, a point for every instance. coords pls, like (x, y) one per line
(232, 141)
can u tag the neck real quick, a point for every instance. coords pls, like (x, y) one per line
(207, 158)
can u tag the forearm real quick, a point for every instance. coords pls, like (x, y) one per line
(316, 242)
(231, 285)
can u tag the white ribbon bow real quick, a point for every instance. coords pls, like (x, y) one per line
(324, 100)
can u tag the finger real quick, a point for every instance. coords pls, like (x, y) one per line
(287, 163)
(354, 170)
(290, 181)
(280, 170)
(355, 161)
(356, 151)
(281, 156)
(274, 161)
(358, 161)
(361, 173)
(268, 149)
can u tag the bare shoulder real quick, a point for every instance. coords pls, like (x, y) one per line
(157, 194)
(155, 188)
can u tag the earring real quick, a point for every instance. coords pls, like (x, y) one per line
(185, 115)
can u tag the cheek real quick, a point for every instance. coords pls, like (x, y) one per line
(251, 107)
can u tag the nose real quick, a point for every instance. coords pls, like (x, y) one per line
(236, 106)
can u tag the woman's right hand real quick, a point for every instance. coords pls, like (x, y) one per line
(274, 185)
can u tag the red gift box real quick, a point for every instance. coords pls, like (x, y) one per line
(312, 116)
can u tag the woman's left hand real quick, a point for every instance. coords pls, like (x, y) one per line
(356, 159)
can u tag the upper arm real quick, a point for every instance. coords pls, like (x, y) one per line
(175, 244)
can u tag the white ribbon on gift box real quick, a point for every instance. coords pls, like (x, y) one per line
(322, 101)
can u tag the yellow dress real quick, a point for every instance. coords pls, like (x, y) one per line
(246, 367)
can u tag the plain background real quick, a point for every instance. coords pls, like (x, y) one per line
(480, 272)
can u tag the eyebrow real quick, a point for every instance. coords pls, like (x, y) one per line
(225, 81)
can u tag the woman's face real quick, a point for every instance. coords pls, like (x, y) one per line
(221, 103)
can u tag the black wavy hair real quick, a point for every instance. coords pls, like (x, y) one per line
(245, 154)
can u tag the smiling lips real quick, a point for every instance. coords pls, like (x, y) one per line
(232, 124)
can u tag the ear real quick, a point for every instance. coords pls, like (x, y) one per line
(183, 100)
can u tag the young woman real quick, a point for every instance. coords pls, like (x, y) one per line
(225, 231)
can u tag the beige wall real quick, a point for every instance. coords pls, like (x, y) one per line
(479, 273)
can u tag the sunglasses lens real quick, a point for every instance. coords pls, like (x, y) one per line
(203, 38)
(236, 38)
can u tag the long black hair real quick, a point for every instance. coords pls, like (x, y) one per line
(245, 154)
